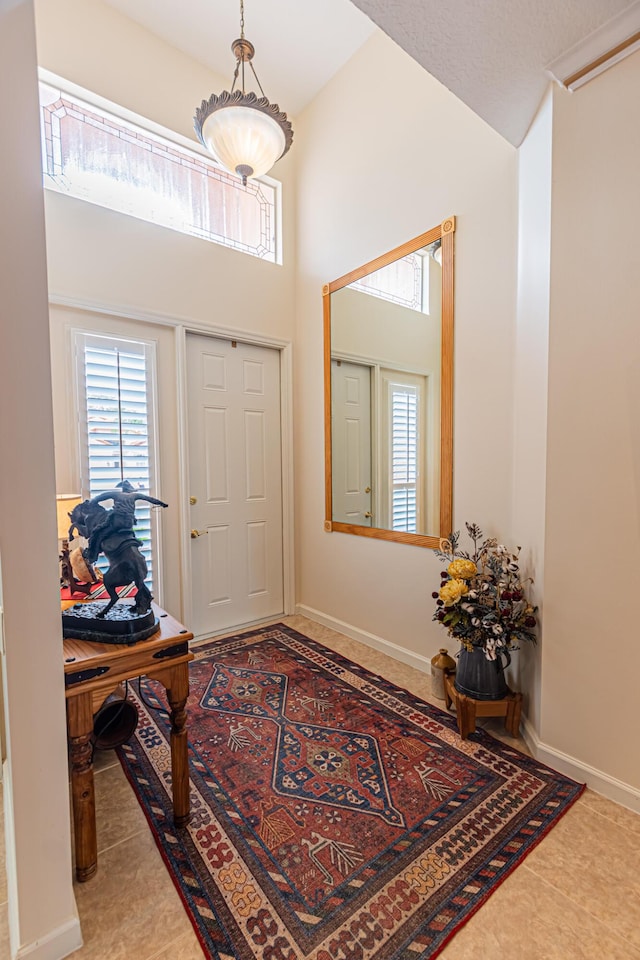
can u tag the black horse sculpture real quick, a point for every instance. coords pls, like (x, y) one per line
(111, 532)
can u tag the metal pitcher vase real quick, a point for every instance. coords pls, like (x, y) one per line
(480, 678)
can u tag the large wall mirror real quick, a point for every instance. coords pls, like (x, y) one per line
(388, 350)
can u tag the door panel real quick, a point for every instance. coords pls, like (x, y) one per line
(256, 467)
(351, 442)
(235, 476)
(214, 449)
(257, 554)
(219, 561)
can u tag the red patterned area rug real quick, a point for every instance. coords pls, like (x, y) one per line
(334, 815)
(97, 592)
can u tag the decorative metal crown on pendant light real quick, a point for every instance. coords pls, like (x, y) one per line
(244, 132)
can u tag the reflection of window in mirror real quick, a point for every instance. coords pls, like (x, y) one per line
(388, 329)
(402, 437)
(406, 281)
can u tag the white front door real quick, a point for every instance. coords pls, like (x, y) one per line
(351, 443)
(235, 476)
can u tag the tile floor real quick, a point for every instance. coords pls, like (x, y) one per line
(576, 896)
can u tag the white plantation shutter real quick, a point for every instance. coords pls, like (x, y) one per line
(404, 457)
(115, 380)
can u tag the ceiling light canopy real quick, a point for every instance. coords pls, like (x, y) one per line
(244, 132)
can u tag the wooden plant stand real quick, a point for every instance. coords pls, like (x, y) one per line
(467, 709)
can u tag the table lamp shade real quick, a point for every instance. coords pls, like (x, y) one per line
(65, 502)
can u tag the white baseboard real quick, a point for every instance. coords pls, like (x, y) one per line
(55, 945)
(370, 639)
(597, 780)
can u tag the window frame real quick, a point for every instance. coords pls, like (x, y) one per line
(80, 337)
(419, 301)
(419, 383)
(139, 124)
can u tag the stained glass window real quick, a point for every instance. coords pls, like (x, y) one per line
(98, 157)
(401, 281)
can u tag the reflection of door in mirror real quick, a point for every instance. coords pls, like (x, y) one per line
(351, 391)
(388, 344)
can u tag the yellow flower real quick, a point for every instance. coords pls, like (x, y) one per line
(462, 569)
(452, 591)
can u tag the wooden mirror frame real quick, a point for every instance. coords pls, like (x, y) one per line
(444, 233)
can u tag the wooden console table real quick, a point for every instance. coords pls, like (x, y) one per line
(93, 671)
(468, 709)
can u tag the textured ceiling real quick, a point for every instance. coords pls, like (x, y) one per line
(492, 54)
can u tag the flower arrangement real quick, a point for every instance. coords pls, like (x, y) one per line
(482, 600)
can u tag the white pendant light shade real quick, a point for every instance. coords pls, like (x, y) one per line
(245, 133)
(244, 140)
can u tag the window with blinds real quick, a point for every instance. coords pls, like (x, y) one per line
(115, 379)
(404, 457)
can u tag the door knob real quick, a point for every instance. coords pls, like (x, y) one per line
(368, 514)
(367, 489)
(193, 500)
(197, 533)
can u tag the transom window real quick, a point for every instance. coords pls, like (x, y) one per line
(96, 156)
(404, 282)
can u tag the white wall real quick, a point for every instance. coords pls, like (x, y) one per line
(591, 653)
(42, 916)
(373, 170)
(115, 260)
(367, 326)
(530, 385)
(144, 272)
(383, 154)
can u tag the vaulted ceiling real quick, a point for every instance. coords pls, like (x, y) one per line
(300, 44)
(492, 54)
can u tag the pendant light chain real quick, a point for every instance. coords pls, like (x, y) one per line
(242, 37)
(235, 76)
(253, 70)
(242, 54)
(245, 134)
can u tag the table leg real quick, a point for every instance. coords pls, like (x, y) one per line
(447, 695)
(177, 693)
(80, 729)
(466, 710)
(512, 719)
